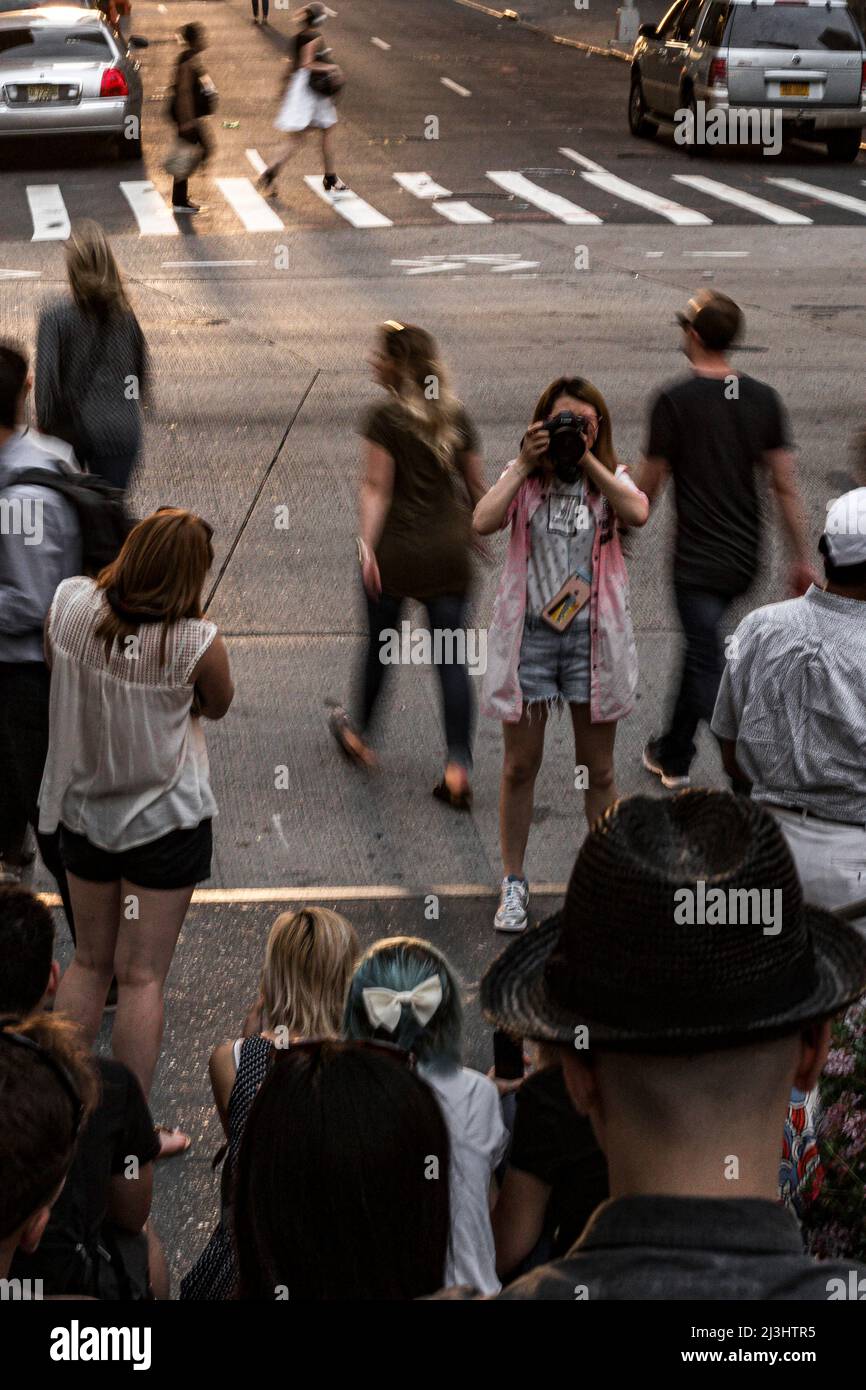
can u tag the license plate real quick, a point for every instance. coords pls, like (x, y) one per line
(794, 89)
(36, 94)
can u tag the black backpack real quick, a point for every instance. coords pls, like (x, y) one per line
(101, 508)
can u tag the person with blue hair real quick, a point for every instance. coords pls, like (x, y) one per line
(405, 992)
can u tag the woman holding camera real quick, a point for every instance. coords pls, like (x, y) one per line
(561, 631)
(306, 103)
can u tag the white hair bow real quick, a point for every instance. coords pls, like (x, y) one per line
(384, 1006)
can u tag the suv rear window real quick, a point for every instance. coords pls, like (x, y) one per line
(21, 45)
(715, 19)
(793, 26)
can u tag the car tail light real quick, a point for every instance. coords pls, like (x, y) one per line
(113, 84)
(863, 81)
(718, 73)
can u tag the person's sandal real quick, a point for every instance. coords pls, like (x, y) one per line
(340, 725)
(458, 801)
(172, 1142)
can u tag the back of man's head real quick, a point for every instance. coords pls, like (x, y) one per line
(48, 1086)
(718, 322)
(13, 380)
(26, 950)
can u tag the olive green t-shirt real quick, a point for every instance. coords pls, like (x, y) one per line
(424, 550)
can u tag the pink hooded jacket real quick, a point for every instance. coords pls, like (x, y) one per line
(613, 670)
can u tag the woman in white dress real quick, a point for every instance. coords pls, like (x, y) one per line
(303, 109)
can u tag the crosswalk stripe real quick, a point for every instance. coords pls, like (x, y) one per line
(542, 198)
(665, 207)
(151, 212)
(422, 186)
(256, 160)
(48, 210)
(825, 195)
(773, 212)
(611, 183)
(348, 205)
(465, 213)
(249, 205)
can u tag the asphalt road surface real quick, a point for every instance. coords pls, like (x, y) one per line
(241, 321)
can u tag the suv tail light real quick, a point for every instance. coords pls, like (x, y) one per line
(718, 73)
(863, 81)
(113, 84)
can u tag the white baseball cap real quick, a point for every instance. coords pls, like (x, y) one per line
(844, 539)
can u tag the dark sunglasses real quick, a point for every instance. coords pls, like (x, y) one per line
(62, 1075)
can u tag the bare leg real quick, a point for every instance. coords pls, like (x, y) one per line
(328, 150)
(83, 989)
(145, 947)
(287, 152)
(593, 750)
(524, 749)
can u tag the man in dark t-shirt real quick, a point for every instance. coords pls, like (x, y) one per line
(714, 433)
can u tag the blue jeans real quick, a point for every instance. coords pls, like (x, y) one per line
(446, 612)
(701, 615)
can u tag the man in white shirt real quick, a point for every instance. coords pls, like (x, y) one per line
(791, 714)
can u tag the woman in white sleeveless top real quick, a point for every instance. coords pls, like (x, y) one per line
(134, 668)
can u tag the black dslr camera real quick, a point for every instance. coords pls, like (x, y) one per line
(568, 446)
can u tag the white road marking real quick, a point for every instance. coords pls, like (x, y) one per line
(151, 212)
(48, 210)
(542, 198)
(249, 205)
(456, 211)
(581, 159)
(434, 265)
(422, 186)
(621, 188)
(344, 893)
(825, 195)
(20, 274)
(348, 205)
(380, 43)
(515, 265)
(256, 160)
(773, 212)
(702, 254)
(455, 87)
(176, 265)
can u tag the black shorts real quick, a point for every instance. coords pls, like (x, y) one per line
(174, 860)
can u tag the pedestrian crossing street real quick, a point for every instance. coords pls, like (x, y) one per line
(780, 201)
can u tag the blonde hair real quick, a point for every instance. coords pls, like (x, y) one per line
(94, 276)
(309, 960)
(422, 386)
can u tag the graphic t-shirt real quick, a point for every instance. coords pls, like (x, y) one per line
(714, 442)
(562, 532)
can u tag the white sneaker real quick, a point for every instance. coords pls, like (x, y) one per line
(512, 912)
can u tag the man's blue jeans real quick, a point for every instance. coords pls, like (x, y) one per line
(701, 615)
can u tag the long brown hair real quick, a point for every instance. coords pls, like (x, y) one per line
(161, 570)
(582, 390)
(94, 276)
(422, 386)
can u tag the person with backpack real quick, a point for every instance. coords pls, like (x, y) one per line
(134, 668)
(40, 545)
(193, 97)
(312, 80)
(91, 362)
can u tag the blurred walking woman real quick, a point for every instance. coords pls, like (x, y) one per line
(134, 667)
(91, 362)
(422, 472)
(561, 632)
(303, 107)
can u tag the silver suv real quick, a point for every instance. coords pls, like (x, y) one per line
(803, 59)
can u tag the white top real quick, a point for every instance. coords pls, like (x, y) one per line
(473, 1113)
(127, 762)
